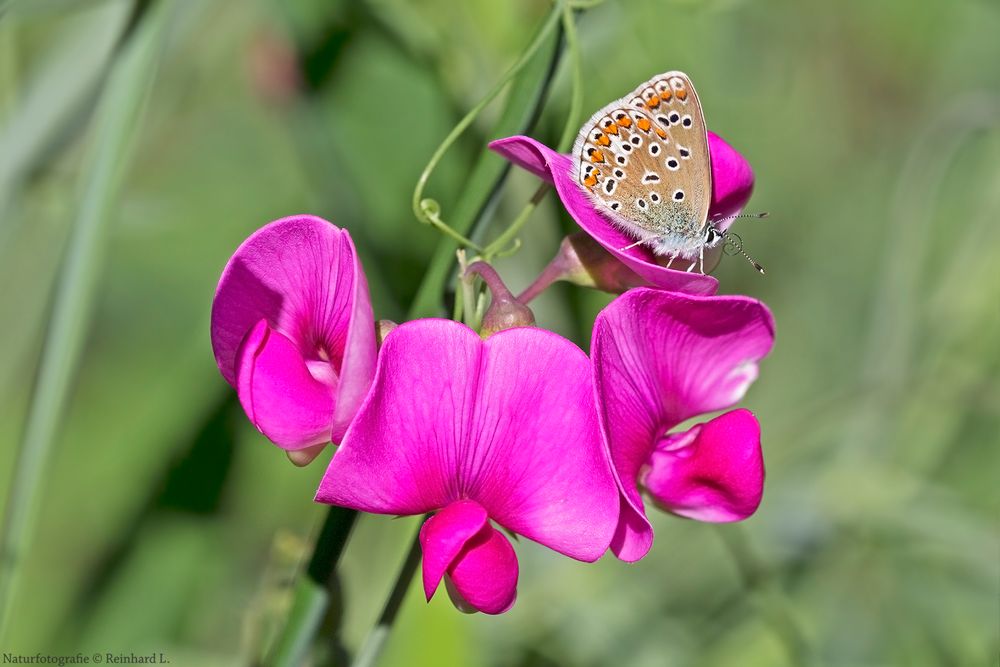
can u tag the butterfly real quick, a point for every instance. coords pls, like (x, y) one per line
(643, 160)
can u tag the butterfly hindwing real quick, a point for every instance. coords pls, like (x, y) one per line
(644, 160)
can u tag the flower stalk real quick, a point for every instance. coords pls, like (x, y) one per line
(370, 651)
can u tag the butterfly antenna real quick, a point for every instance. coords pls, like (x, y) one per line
(761, 215)
(735, 245)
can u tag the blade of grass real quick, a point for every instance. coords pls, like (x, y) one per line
(55, 100)
(116, 126)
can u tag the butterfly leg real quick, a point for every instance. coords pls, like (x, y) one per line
(701, 258)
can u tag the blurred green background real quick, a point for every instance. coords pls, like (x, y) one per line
(168, 523)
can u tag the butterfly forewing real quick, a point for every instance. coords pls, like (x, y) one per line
(644, 159)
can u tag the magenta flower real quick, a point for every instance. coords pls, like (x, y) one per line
(661, 358)
(503, 430)
(732, 184)
(293, 332)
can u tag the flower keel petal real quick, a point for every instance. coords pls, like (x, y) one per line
(485, 573)
(712, 472)
(277, 392)
(443, 537)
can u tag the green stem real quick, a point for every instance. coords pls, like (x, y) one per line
(570, 130)
(774, 606)
(8, 69)
(419, 205)
(572, 126)
(312, 592)
(116, 126)
(509, 235)
(523, 100)
(375, 641)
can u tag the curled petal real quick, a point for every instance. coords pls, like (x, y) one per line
(661, 358)
(485, 573)
(732, 184)
(444, 535)
(479, 560)
(712, 472)
(281, 398)
(508, 423)
(300, 275)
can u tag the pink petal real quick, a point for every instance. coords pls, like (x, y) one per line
(509, 423)
(544, 473)
(443, 536)
(731, 188)
(485, 573)
(281, 398)
(732, 180)
(712, 472)
(302, 276)
(661, 358)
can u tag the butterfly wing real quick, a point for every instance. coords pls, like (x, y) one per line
(644, 161)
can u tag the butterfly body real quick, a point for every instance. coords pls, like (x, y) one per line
(644, 162)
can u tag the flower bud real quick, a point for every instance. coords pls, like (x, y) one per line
(505, 311)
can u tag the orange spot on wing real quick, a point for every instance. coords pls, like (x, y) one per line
(611, 129)
(644, 124)
(682, 94)
(603, 140)
(625, 121)
(666, 95)
(653, 102)
(597, 156)
(661, 132)
(590, 181)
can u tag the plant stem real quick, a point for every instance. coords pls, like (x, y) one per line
(372, 648)
(418, 209)
(570, 129)
(524, 98)
(116, 127)
(572, 126)
(312, 595)
(552, 272)
(509, 234)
